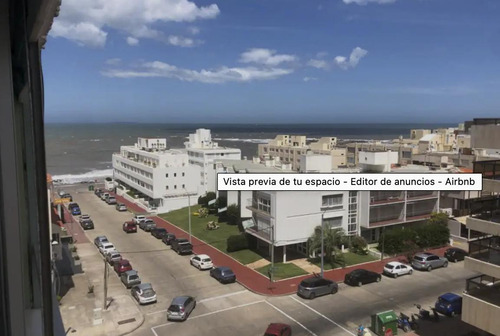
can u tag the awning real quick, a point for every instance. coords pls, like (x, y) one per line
(248, 223)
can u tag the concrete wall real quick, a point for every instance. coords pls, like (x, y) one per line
(482, 267)
(483, 226)
(485, 136)
(481, 314)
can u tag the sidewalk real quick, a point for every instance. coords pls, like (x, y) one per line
(253, 280)
(82, 312)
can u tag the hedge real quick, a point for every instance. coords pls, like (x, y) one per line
(237, 243)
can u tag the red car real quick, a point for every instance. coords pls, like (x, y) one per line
(122, 266)
(278, 329)
(129, 227)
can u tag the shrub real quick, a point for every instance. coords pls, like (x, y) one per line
(74, 249)
(358, 245)
(233, 214)
(432, 235)
(237, 243)
(203, 200)
(393, 241)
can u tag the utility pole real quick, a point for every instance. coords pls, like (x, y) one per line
(383, 244)
(189, 212)
(322, 244)
(271, 270)
(105, 301)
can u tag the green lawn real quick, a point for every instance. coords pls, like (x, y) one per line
(216, 238)
(282, 271)
(350, 260)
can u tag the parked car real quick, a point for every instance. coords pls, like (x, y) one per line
(121, 207)
(138, 219)
(182, 246)
(73, 205)
(84, 217)
(129, 227)
(428, 261)
(147, 224)
(130, 278)
(395, 269)
(278, 329)
(74, 209)
(158, 232)
(87, 224)
(455, 254)
(449, 304)
(61, 193)
(104, 196)
(106, 247)
(201, 261)
(121, 266)
(180, 308)
(360, 277)
(223, 274)
(143, 293)
(168, 238)
(99, 240)
(97, 192)
(111, 200)
(113, 256)
(316, 286)
(67, 196)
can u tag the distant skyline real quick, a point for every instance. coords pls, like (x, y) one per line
(279, 61)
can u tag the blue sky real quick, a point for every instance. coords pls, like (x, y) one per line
(266, 61)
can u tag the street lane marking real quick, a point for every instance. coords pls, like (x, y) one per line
(323, 316)
(206, 300)
(207, 314)
(291, 318)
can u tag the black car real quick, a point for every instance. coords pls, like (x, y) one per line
(87, 224)
(182, 246)
(455, 254)
(158, 232)
(67, 196)
(168, 238)
(223, 274)
(360, 277)
(316, 286)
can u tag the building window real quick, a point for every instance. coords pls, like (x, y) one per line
(175, 174)
(183, 186)
(166, 187)
(183, 174)
(332, 223)
(166, 175)
(332, 201)
(175, 186)
(264, 204)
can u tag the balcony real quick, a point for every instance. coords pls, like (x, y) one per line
(252, 205)
(481, 303)
(384, 197)
(416, 195)
(484, 256)
(487, 223)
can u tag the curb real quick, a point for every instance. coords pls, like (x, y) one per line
(135, 328)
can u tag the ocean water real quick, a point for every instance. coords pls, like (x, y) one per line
(82, 152)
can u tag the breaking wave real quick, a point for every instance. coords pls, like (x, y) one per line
(257, 141)
(90, 176)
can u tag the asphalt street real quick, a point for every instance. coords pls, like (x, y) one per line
(231, 309)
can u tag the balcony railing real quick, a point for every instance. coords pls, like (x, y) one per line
(484, 287)
(386, 197)
(486, 249)
(421, 194)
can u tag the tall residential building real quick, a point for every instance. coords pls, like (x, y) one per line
(485, 133)
(204, 153)
(481, 299)
(163, 176)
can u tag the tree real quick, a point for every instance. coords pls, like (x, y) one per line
(438, 218)
(332, 240)
(203, 200)
(233, 214)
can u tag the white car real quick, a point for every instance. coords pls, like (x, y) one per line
(105, 248)
(138, 219)
(84, 217)
(202, 261)
(396, 269)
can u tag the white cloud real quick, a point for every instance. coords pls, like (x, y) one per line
(113, 61)
(318, 64)
(366, 2)
(309, 79)
(356, 55)
(132, 41)
(265, 57)
(180, 41)
(85, 21)
(321, 54)
(194, 30)
(220, 75)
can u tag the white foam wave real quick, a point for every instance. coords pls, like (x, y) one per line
(257, 141)
(90, 176)
(95, 140)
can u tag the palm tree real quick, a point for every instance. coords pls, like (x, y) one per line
(332, 241)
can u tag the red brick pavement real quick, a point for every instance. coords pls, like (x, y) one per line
(73, 228)
(253, 280)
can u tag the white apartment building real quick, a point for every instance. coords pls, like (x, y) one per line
(164, 177)
(204, 153)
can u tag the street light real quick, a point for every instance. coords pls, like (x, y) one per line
(189, 213)
(322, 243)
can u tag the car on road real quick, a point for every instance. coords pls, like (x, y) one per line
(111, 200)
(129, 227)
(316, 286)
(99, 240)
(104, 196)
(121, 207)
(67, 196)
(395, 269)
(147, 224)
(180, 308)
(121, 266)
(158, 233)
(86, 222)
(428, 261)
(449, 304)
(143, 293)
(138, 219)
(182, 246)
(97, 192)
(168, 238)
(113, 256)
(455, 254)
(201, 262)
(360, 277)
(74, 208)
(223, 274)
(278, 329)
(106, 247)
(130, 278)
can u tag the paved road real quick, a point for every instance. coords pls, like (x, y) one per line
(230, 309)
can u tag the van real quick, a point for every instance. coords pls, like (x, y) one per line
(180, 308)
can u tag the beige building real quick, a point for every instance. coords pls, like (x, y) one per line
(405, 151)
(481, 299)
(485, 133)
(417, 134)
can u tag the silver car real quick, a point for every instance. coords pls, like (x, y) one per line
(180, 308)
(428, 261)
(144, 293)
(315, 286)
(113, 257)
